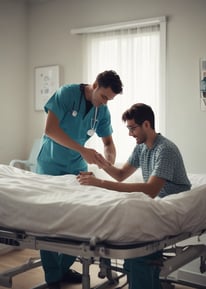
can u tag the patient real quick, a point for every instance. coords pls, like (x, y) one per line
(163, 172)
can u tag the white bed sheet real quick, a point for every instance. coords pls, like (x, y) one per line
(58, 205)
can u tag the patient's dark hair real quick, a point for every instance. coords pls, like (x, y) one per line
(110, 78)
(140, 112)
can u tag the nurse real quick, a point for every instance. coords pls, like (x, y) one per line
(74, 113)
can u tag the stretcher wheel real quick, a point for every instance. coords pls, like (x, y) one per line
(101, 275)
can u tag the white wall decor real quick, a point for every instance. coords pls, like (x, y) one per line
(203, 84)
(46, 83)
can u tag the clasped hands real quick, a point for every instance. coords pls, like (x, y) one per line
(88, 178)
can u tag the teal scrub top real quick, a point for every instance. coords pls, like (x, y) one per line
(63, 103)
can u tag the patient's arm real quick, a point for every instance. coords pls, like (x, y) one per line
(119, 174)
(151, 188)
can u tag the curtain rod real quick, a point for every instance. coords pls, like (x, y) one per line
(118, 26)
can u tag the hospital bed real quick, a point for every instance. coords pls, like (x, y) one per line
(55, 213)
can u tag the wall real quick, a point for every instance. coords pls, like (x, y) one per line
(13, 81)
(186, 123)
(50, 42)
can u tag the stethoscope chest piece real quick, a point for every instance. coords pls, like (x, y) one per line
(74, 113)
(90, 132)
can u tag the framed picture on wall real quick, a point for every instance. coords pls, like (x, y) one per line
(203, 84)
(46, 83)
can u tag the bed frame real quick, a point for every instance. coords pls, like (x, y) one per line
(92, 250)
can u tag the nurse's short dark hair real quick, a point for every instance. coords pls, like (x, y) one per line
(109, 78)
(140, 112)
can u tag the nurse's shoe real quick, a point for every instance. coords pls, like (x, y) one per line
(54, 285)
(72, 277)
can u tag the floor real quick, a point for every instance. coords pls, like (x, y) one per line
(34, 277)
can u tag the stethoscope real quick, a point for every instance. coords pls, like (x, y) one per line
(94, 120)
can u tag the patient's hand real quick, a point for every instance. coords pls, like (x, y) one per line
(87, 178)
(101, 162)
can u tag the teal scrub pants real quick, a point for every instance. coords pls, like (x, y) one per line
(55, 265)
(143, 272)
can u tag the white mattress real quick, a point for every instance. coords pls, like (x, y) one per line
(58, 205)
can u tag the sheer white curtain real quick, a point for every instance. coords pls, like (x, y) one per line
(134, 53)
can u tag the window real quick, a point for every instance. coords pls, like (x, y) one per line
(136, 51)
